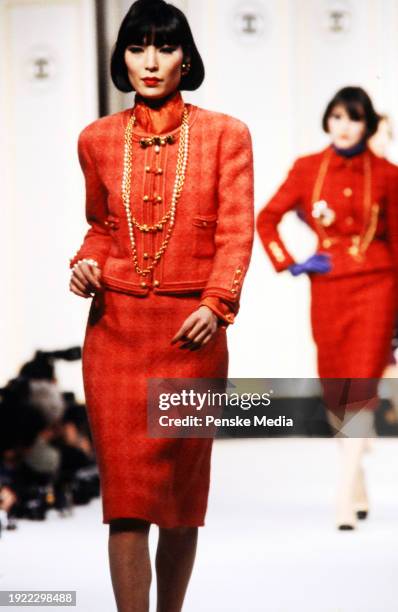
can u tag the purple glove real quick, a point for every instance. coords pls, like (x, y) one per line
(320, 263)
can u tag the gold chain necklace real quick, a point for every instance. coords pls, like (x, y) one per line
(169, 217)
(359, 243)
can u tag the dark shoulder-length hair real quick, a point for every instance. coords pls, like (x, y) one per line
(159, 23)
(358, 106)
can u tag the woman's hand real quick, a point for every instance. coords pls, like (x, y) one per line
(197, 329)
(85, 278)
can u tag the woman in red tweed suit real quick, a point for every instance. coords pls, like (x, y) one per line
(169, 200)
(349, 198)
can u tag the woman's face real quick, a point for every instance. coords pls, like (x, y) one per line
(344, 131)
(154, 72)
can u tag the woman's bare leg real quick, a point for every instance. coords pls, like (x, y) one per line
(351, 487)
(130, 564)
(361, 496)
(174, 562)
(352, 451)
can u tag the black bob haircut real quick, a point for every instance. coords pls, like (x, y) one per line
(159, 23)
(358, 106)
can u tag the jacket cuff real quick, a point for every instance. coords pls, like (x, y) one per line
(89, 260)
(80, 255)
(279, 256)
(224, 310)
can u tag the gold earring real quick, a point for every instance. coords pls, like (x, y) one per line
(185, 68)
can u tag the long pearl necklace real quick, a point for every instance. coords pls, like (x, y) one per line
(169, 217)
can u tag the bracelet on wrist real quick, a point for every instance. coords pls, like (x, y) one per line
(91, 262)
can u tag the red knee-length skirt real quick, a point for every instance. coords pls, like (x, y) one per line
(164, 481)
(353, 321)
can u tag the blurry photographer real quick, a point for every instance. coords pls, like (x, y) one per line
(46, 456)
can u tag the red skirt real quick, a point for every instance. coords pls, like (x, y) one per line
(353, 322)
(163, 481)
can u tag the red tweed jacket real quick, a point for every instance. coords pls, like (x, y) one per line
(370, 222)
(210, 247)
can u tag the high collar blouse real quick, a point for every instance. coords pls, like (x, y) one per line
(159, 119)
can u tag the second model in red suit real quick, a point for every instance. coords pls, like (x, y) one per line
(353, 307)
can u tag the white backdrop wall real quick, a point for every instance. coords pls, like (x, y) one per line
(48, 85)
(277, 79)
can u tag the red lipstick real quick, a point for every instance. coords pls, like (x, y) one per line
(151, 81)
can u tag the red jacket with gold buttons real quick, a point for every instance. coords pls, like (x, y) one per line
(362, 195)
(210, 246)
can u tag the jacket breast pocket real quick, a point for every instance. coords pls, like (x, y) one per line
(204, 228)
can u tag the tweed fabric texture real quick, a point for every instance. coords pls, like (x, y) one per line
(131, 322)
(343, 190)
(211, 244)
(353, 307)
(353, 321)
(164, 481)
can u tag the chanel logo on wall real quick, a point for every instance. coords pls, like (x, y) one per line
(337, 18)
(41, 67)
(249, 21)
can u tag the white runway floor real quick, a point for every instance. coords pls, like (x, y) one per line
(269, 543)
